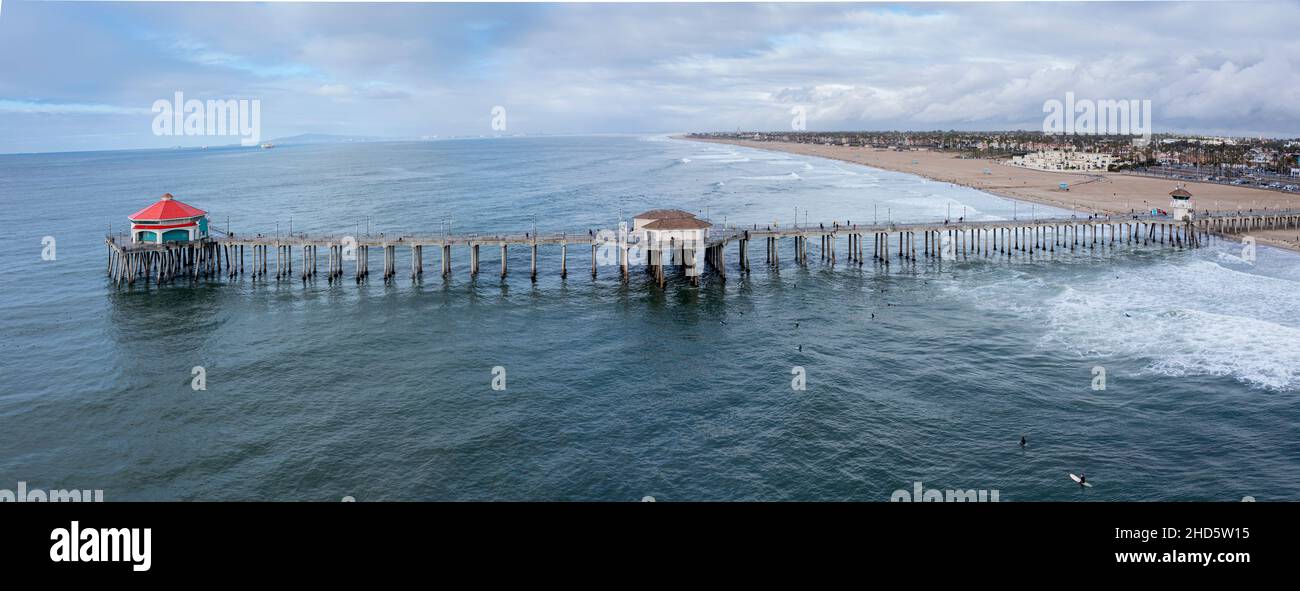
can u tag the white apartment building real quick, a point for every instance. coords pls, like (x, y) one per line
(1064, 160)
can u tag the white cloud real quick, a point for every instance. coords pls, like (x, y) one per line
(409, 70)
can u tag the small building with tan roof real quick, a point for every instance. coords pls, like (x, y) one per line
(670, 227)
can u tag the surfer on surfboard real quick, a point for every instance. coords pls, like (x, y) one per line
(1022, 441)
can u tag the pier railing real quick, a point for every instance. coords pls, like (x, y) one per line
(891, 241)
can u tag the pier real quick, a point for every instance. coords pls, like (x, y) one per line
(340, 258)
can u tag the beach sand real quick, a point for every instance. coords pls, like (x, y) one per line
(1094, 192)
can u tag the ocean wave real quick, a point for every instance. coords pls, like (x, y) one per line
(1176, 318)
(1185, 319)
(717, 156)
(776, 177)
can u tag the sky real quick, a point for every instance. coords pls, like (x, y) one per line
(84, 75)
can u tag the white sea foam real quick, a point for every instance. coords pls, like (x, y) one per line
(1178, 318)
(776, 177)
(717, 156)
(1199, 318)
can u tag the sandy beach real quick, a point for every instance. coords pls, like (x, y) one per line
(1108, 193)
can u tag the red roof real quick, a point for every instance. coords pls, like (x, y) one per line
(167, 208)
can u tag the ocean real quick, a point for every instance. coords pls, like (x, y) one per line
(925, 373)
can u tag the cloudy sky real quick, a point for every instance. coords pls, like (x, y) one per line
(83, 75)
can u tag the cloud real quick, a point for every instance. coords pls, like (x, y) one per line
(45, 108)
(334, 90)
(414, 69)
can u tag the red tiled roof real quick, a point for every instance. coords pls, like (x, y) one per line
(167, 208)
(1180, 193)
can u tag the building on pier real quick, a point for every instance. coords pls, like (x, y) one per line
(670, 229)
(642, 219)
(1180, 204)
(168, 220)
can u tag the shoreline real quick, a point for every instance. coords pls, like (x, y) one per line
(1089, 192)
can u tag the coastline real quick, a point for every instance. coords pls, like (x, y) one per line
(1094, 192)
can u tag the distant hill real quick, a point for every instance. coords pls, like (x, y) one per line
(323, 138)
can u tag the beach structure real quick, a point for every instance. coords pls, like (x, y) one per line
(1180, 203)
(168, 220)
(676, 233)
(659, 240)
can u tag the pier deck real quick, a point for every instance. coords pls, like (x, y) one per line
(227, 255)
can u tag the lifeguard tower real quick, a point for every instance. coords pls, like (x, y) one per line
(1180, 204)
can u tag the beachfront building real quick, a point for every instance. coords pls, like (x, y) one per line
(168, 220)
(1180, 204)
(1064, 160)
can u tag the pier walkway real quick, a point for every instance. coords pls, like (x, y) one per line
(265, 257)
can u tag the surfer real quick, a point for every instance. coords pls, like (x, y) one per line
(1083, 478)
(1022, 441)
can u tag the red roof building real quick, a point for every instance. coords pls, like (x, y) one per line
(168, 220)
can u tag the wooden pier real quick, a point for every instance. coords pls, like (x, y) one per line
(266, 258)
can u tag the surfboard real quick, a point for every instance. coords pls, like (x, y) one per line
(1076, 479)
